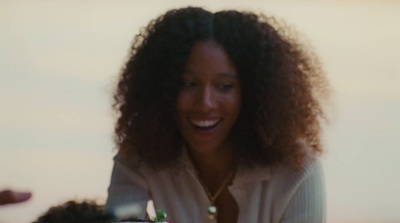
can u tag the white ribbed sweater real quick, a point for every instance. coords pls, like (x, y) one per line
(264, 195)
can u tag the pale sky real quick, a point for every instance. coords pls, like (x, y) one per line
(59, 62)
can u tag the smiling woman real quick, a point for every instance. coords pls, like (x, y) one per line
(220, 121)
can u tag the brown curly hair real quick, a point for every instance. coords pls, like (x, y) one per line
(282, 83)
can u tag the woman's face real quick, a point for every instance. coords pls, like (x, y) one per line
(209, 100)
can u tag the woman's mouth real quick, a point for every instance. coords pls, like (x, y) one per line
(205, 124)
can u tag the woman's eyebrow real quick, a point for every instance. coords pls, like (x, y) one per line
(187, 71)
(231, 75)
(224, 74)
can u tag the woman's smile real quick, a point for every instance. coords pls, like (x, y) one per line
(205, 123)
(205, 127)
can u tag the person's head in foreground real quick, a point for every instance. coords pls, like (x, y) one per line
(73, 212)
(88, 211)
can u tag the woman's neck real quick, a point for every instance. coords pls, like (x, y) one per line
(214, 166)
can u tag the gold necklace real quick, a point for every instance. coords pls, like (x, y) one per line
(212, 210)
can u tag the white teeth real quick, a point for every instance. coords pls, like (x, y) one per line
(206, 123)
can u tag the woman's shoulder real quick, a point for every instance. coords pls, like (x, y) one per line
(309, 166)
(297, 191)
(135, 165)
(286, 179)
(291, 170)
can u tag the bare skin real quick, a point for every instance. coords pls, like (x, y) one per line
(12, 197)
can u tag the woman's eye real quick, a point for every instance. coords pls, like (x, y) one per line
(187, 84)
(226, 86)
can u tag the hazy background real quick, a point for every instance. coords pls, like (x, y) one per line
(58, 66)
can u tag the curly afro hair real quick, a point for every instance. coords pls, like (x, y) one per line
(73, 212)
(282, 84)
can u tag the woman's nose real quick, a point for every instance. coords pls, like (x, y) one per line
(206, 99)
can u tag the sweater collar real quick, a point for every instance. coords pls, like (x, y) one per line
(243, 174)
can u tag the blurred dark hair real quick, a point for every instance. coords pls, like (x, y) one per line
(282, 84)
(73, 212)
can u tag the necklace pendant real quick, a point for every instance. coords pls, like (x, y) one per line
(212, 212)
